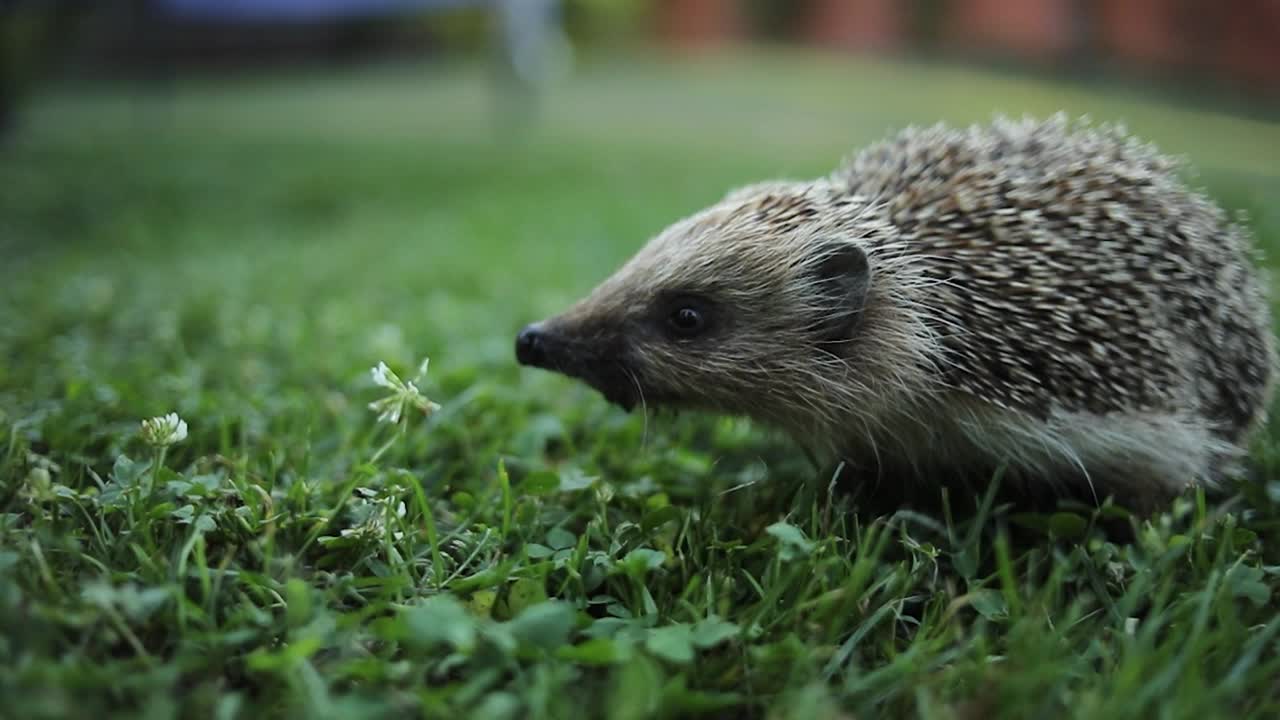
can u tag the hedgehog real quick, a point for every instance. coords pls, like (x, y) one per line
(1041, 299)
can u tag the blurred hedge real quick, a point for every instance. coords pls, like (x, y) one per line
(587, 22)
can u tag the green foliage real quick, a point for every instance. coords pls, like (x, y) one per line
(22, 38)
(244, 256)
(463, 27)
(606, 23)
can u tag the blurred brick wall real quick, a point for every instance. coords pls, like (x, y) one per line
(1032, 28)
(1236, 42)
(1143, 31)
(1249, 44)
(698, 23)
(855, 24)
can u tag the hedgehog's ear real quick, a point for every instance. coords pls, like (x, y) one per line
(843, 278)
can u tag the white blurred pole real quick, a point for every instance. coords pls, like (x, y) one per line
(533, 40)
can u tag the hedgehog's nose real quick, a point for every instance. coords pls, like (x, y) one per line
(531, 346)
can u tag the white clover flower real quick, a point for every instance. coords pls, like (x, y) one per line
(164, 430)
(383, 377)
(39, 485)
(375, 525)
(403, 394)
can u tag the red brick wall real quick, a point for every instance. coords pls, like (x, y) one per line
(697, 23)
(855, 24)
(1034, 28)
(1145, 31)
(1235, 40)
(1249, 44)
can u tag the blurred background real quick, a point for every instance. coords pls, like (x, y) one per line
(1228, 50)
(283, 190)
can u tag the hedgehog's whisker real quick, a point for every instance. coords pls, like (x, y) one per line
(644, 406)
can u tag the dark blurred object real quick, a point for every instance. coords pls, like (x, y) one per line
(297, 10)
(32, 33)
(525, 31)
(153, 38)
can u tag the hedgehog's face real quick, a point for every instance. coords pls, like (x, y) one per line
(730, 310)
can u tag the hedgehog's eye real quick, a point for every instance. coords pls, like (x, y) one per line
(686, 320)
(684, 315)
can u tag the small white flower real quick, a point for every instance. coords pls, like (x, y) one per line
(40, 461)
(39, 485)
(164, 430)
(382, 377)
(403, 394)
(379, 512)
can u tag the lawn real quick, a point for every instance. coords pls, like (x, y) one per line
(243, 251)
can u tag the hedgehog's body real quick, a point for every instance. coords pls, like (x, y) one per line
(1033, 296)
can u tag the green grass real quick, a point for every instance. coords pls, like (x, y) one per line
(243, 252)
